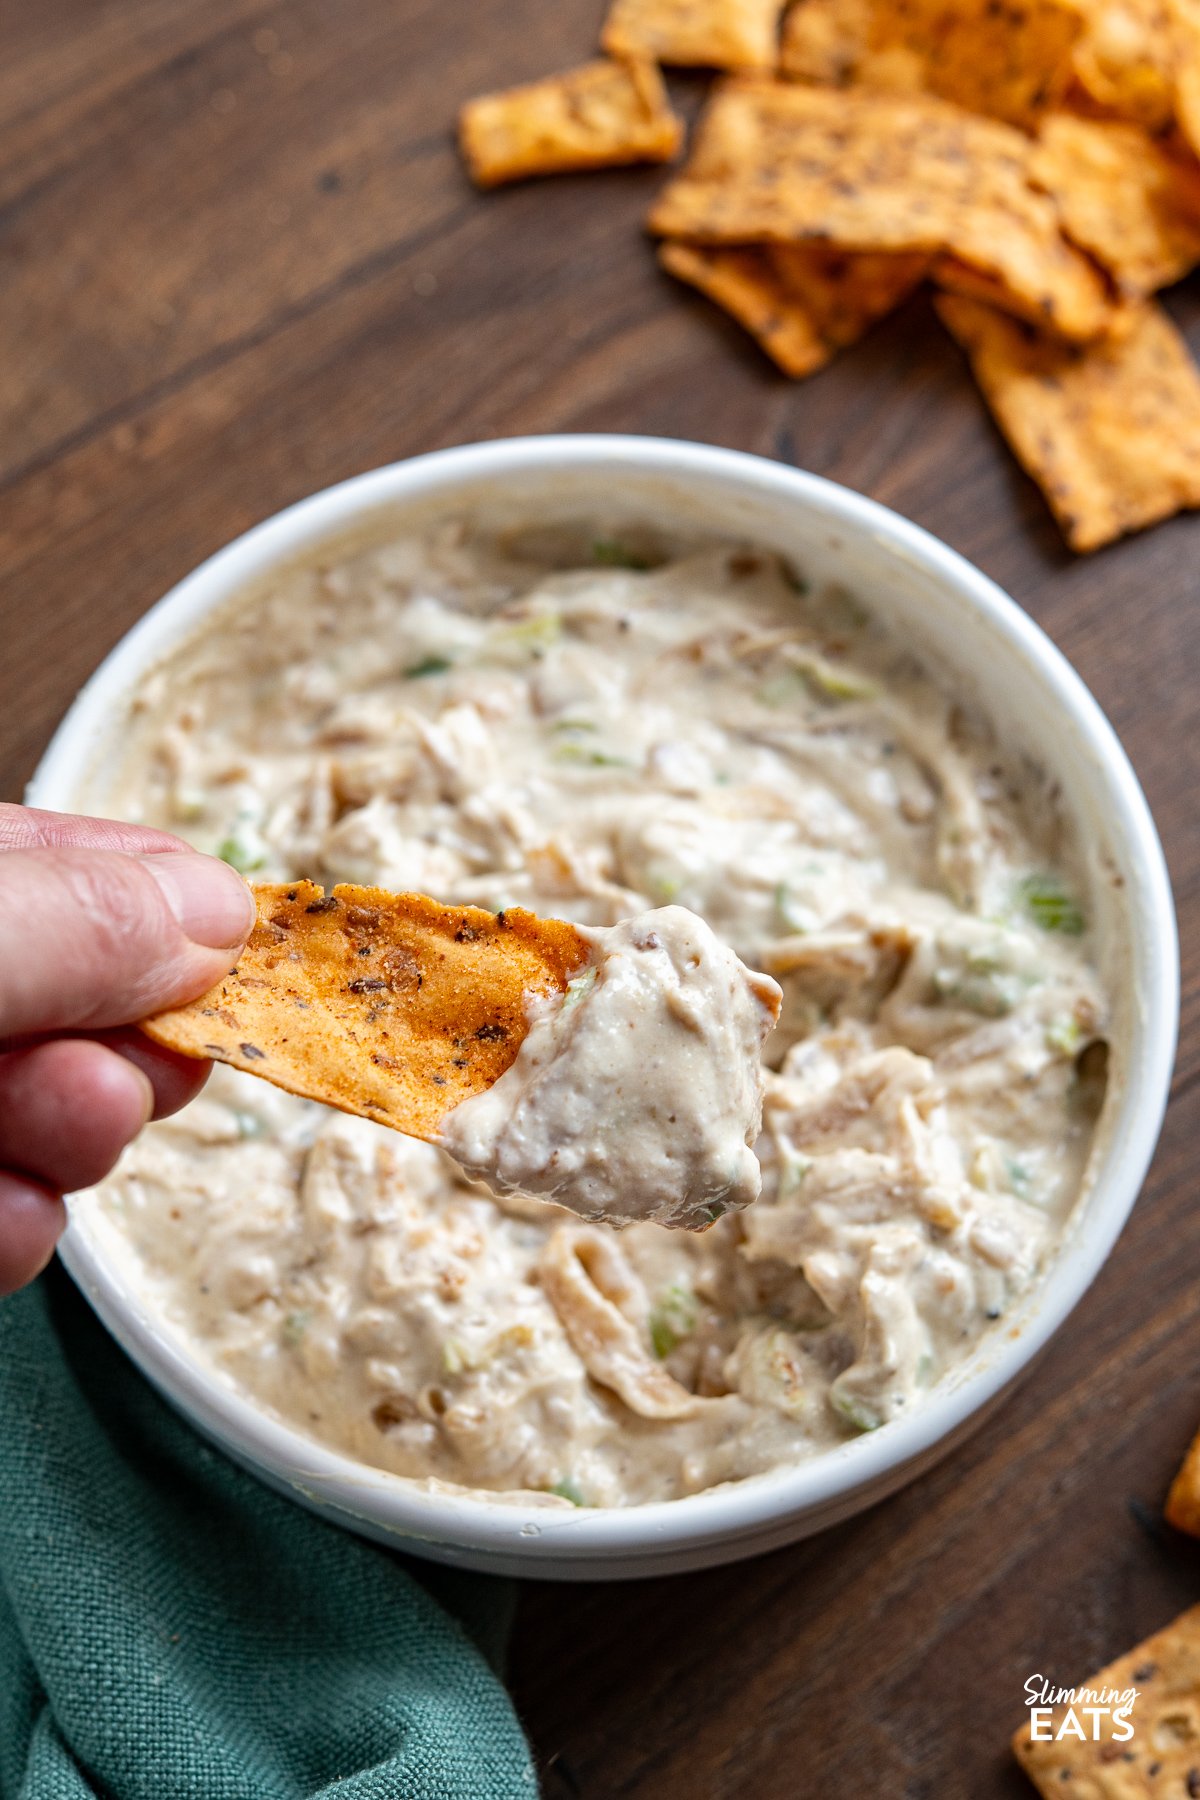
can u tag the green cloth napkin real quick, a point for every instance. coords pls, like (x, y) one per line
(170, 1629)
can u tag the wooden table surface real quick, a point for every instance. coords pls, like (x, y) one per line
(239, 261)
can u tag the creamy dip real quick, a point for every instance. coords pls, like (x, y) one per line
(592, 730)
(638, 1097)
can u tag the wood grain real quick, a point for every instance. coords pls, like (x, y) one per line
(239, 261)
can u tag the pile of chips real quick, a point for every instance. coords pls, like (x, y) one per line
(1036, 161)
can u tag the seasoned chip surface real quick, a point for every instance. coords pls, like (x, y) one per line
(1109, 431)
(386, 1005)
(802, 302)
(1161, 1759)
(1122, 196)
(781, 162)
(1006, 58)
(604, 112)
(713, 34)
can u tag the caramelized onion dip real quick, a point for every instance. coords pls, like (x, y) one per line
(593, 728)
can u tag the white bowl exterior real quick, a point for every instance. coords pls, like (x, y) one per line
(958, 619)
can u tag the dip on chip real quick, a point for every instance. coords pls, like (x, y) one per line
(602, 113)
(779, 162)
(713, 34)
(802, 302)
(1006, 58)
(1109, 431)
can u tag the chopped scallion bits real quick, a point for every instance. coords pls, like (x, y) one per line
(855, 1412)
(428, 665)
(566, 1489)
(240, 855)
(672, 1319)
(611, 553)
(1050, 906)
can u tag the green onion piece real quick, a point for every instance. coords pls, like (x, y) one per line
(578, 989)
(238, 854)
(1050, 906)
(428, 665)
(855, 1412)
(594, 759)
(672, 1319)
(295, 1326)
(566, 1489)
(610, 553)
(1064, 1035)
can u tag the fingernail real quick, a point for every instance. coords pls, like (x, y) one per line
(212, 903)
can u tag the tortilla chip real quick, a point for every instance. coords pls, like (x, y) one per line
(780, 162)
(1110, 432)
(1162, 1757)
(385, 1005)
(1183, 21)
(745, 285)
(803, 304)
(1122, 196)
(1006, 58)
(710, 34)
(1124, 60)
(603, 113)
(1183, 1502)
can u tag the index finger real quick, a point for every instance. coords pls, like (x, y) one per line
(32, 828)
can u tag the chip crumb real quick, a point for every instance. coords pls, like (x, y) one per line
(1109, 431)
(603, 113)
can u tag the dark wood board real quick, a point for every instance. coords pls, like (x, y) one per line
(238, 261)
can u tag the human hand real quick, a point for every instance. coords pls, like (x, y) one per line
(101, 924)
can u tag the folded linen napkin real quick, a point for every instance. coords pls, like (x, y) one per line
(170, 1629)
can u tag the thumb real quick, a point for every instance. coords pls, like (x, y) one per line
(93, 938)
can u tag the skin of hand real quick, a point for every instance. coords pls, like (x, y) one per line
(101, 924)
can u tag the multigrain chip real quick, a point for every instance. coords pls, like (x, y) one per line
(1123, 197)
(1160, 1760)
(1124, 59)
(1109, 431)
(1183, 1501)
(802, 303)
(1007, 58)
(782, 162)
(1184, 30)
(712, 34)
(745, 285)
(385, 1005)
(605, 112)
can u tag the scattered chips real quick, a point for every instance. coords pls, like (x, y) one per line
(1110, 432)
(802, 303)
(1183, 1502)
(776, 161)
(712, 34)
(1161, 1759)
(1005, 58)
(1184, 17)
(385, 1005)
(606, 112)
(1123, 197)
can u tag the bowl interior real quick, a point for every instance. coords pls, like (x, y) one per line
(971, 636)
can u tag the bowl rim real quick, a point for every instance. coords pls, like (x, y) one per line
(377, 1500)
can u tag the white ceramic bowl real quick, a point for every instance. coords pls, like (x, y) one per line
(1000, 660)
